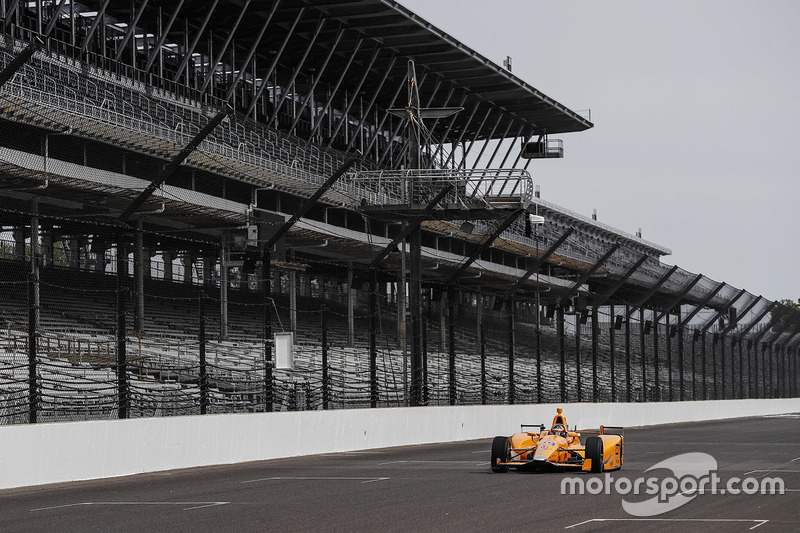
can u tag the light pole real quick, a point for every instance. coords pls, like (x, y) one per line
(536, 221)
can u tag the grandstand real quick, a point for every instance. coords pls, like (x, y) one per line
(180, 183)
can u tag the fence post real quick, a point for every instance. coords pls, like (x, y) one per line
(451, 337)
(482, 343)
(538, 348)
(268, 383)
(578, 380)
(512, 390)
(325, 378)
(723, 364)
(612, 341)
(33, 404)
(703, 361)
(562, 352)
(656, 360)
(373, 349)
(425, 387)
(202, 339)
(628, 384)
(122, 363)
(643, 354)
(752, 371)
(714, 342)
(741, 370)
(595, 349)
(681, 387)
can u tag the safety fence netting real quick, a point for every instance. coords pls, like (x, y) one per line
(78, 341)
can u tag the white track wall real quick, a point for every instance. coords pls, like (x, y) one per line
(49, 453)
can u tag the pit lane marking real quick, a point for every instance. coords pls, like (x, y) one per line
(318, 478)
(196, 505)
(758, 523)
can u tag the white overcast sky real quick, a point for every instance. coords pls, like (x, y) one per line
(696, 106)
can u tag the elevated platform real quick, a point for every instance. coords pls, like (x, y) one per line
(473, 194)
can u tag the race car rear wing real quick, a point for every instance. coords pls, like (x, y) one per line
(606, 430)
(540, 427)
(612, 430)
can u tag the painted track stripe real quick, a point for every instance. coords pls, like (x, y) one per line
(196, 505)
(318, 478)
(757, 522)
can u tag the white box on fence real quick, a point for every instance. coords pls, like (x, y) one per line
(284, 350)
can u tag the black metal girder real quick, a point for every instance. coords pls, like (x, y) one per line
(675, 301)
(173, 165)
(309, 203)
(595, 267)
(760, 317)
(722, 310)
(411, 226)
(701, 305)
(600, 300)
(650, 292)
(746, 310)
(540, 261)
(476, 253)
(19, 60)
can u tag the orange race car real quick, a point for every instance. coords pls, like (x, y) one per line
(559, 448)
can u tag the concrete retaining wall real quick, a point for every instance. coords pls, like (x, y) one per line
(69, 451)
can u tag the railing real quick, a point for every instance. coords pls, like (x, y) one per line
(469, 186)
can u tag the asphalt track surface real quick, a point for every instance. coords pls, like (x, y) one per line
(443, 487)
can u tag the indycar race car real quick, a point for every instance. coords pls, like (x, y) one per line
(559, 448)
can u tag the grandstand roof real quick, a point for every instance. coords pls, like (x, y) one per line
(389, 30)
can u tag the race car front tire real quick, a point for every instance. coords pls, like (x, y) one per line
(499, 454)
(594, 451)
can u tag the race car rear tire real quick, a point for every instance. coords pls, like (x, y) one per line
(499, 454)
(594, 451)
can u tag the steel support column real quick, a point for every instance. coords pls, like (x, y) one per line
(578, 380)
(681, 349)
(562, 354)
(368, 109)
(612, 330)
(326, 380)
(512, 391)
(451, 345)
(188, 52)
(256, 42)
(130, 31)
(482, 345)
(595, 350)
(162, 38)
(212, 67)
(643, 354)
(335, 88)
(356, 91)
(314, 81)
(123, 398)
(477, 134)
(628, 383)
(201, 338)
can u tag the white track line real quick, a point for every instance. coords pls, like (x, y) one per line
(773, 470)
(428, 462)
(758, 522)
(196, 505)
(320, 478)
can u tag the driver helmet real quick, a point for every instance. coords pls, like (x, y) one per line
(559, 430)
